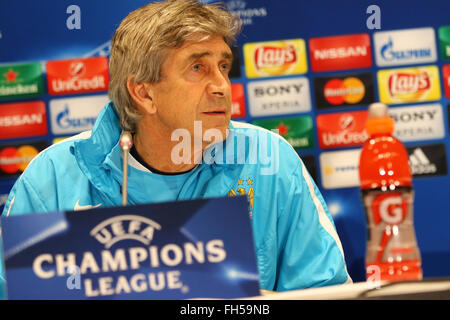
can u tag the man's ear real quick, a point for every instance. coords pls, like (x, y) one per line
(141, 93)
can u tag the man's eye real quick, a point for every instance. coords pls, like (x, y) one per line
(197, 67)
(225, 67)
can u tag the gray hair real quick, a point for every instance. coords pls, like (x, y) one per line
(140, 41)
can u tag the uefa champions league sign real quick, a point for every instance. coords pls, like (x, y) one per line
(179, 250)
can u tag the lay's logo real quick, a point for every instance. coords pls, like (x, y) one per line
(268, 56)
(275, 58)
(409, 85)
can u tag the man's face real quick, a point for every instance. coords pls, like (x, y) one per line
(195, 87)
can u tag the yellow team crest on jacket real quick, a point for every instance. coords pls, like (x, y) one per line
(244, 187)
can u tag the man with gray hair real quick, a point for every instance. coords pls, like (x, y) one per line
(169, 69)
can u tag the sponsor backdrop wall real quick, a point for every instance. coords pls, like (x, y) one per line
(306, 68)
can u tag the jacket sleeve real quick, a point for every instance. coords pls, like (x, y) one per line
(23, 198)
(310, 252)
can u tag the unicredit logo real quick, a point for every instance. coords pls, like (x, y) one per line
(344, 138)
(77, 68)
(347, 122)
(270, 56)
(77, 76)
(75, 84)
(341, 129)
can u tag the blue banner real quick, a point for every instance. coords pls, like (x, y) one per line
(175, 250)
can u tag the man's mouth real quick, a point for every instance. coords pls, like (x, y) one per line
(215, 113)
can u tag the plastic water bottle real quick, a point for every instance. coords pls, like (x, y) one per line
(388, 197)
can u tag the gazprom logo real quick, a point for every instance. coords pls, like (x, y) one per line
(389, 53)
(73, 115)
(126, 227)
(65, 121)
(406, 46)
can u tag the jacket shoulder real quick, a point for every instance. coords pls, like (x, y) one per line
(57, 152)
(285, 154)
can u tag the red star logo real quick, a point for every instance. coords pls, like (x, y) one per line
(283, 129)
(11, 76)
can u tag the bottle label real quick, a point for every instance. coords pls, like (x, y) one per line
(390, 208)
(391, 229)
(392, 245)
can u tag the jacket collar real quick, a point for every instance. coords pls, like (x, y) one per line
(99, 157)
(91, 153)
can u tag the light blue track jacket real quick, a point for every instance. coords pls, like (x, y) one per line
(296, 242)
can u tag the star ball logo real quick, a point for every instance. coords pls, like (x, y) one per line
(248, 16)
(126, 227)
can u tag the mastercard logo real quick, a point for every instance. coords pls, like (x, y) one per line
(14, 160)
(351, 90)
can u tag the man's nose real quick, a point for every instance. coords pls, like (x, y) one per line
(219, 83)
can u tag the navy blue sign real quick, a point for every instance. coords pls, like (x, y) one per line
(180, 250)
